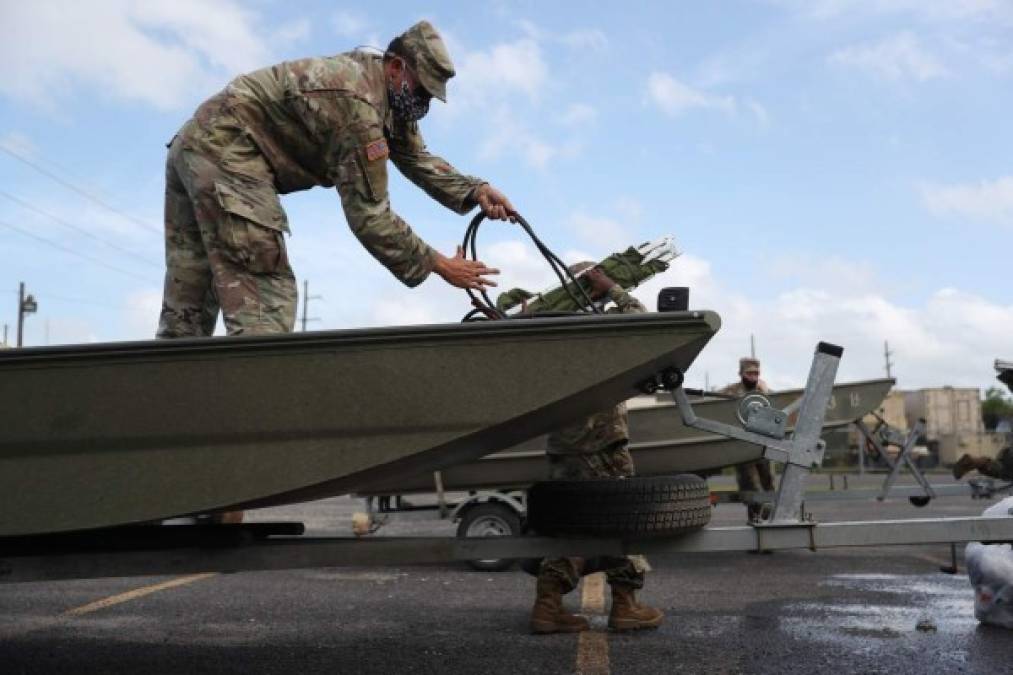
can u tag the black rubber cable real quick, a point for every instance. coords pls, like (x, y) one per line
(486, 306)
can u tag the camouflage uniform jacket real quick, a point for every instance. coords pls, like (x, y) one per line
(739, 389)
(607, 428)
(326, 121)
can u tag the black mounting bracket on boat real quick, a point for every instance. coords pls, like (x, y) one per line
(667, 380)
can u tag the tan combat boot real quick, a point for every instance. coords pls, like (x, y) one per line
(628, 614)
(967, 463)
(548, 615)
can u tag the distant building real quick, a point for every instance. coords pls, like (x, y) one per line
(953, 422)
(893, 410)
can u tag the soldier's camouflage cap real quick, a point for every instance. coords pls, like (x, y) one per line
(427, 55)
(749, 365)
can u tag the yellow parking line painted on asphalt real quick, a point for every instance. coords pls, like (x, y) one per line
(136, 593)
(593, 646)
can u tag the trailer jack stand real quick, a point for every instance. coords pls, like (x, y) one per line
(882, 436)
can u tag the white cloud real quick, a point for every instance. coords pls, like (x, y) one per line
(899, 57)
(581, 39)
(578, 114)
(630, 209)
(675, 97)
(588, 39)
(989, 201)
(18, 143)
(951, 338)
(950, 10)
(605, 234)
(759, 112)
(141, 314)
(293, 31)
(348, 24)
(501, 89)
(503, 70)
(156, 53)
(509, 136)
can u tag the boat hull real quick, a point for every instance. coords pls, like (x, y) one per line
(122, 433)
(661, 444)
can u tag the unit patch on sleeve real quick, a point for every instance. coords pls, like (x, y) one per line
(377, 150)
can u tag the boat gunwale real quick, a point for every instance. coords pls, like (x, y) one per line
(706, 320)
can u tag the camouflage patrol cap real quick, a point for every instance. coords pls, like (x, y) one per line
(749, 365)
(427, 55)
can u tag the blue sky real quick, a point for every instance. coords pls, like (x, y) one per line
(832, 169)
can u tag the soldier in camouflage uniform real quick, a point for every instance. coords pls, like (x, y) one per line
(332, 122)
(754, 476)
(1000, 467)
(595, 447)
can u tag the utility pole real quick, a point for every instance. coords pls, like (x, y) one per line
(752, 346)
(887, 354)
(26, 305)
(706, 381)
(306, 297)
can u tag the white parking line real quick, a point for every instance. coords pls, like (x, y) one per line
(136, 593)
(592, 645)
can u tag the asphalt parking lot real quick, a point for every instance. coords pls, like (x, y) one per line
(846, 610)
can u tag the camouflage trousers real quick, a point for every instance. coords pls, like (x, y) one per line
(754, 477)
(224, 239)
(613, 462)
(1001, 467)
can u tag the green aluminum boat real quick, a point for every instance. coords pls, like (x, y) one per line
(105, 435)
(661, 444)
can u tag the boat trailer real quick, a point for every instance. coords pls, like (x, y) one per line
(182, 549)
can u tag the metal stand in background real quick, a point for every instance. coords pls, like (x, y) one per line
(766, 426)
(883, 436)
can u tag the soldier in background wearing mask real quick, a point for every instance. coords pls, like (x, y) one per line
(333, 122)
(755, 476)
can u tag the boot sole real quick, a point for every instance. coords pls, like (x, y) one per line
(625, 627)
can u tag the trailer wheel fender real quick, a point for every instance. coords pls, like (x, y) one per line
(485, 498)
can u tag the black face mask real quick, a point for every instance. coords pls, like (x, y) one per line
(407, 107)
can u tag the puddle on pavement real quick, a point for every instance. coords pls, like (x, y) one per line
(910, 606)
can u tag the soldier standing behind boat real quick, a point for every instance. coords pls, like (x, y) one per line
(595, 447)
(754, 476)
(333, 122)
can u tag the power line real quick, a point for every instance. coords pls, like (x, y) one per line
(77, 301)
(79, 190)
(71, 251)
(81, 230)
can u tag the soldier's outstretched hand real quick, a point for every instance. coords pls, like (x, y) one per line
(494, 203)
(463, 273)
(601, 283)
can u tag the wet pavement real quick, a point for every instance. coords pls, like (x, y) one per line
(885, 610)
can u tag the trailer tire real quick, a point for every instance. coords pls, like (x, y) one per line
(490, 519)
(620, 507)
